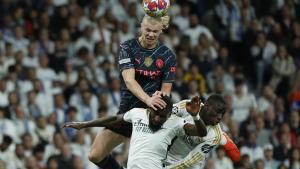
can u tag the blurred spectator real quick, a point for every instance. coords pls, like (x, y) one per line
(282, 151)
(52, 163)
(19, 157)
(269, 161)
(65, 158)
(197, 77)
(259, 164)
(283, 71)
(254, 151)
(182, 19)
(262, 53)
(219, 75)
(43, 130)
(242, 101)
(294, 161)
(7, 154)
(266, 100)
(195, 30)
(222, 162)
(263, 135)
(54, 147)
(7, 126)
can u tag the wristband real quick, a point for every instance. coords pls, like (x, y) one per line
(197, 117)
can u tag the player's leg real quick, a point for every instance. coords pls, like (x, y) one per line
(103, 144)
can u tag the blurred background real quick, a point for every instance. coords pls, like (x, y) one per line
(58, 64)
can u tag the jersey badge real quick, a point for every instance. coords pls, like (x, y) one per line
(148, 61)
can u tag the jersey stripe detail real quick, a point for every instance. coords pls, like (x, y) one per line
(189, 163)
(219, 136)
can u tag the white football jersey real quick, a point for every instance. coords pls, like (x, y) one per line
(147, 148)
(190, 151)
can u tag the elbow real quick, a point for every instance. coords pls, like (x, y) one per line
(236, 158)
(128, 83)
(202, 133)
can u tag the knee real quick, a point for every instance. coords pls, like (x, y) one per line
(94, 156)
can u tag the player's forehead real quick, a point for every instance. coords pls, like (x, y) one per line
(152, 25)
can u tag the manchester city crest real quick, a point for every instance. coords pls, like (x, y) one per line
(148, 61)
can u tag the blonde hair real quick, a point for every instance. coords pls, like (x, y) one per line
(164, 20)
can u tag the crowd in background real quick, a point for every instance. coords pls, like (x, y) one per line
(58, 63)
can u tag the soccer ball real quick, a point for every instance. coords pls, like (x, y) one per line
(156, 8)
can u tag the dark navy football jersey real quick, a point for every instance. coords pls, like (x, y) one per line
(152, 68)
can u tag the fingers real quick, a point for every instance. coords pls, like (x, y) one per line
(160, 93)
(195, 99)
(71, 125)
(157, 93)
(159, 102)
(156, 102)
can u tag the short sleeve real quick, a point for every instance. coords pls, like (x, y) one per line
(170, 68)
(125, 61)
(223, 139)
(179, 108)
(128, 116)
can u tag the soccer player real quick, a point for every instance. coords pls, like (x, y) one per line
(190, 152)
(153, 132)
(146, 66)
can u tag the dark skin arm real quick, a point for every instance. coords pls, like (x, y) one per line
(100, 122)
(193, 108)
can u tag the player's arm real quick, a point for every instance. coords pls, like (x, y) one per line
(231, 149)
(195, 158)
(199, 128)
(100, 122)
(135, 88)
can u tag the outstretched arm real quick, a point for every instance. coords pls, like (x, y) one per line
(100, 122)
(231, 149)
(193, 108)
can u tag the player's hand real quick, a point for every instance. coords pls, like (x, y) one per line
(156, 101)
(74, 125)
(193, 107)
(160, 93)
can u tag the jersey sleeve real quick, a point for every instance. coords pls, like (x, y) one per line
(230, 148)
(195, 158)
(125, 60)
(179, 109)
(170, 68)
(128, 116)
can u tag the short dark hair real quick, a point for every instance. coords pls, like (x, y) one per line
(169, 105)
(217, 102)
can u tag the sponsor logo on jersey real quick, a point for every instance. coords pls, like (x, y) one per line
(153, 74)
(139, 126)
(206, 148)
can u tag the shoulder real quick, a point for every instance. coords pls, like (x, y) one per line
(215, 134)
(136, 112)
(166, 49)
(128, 44)
(175, 121)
